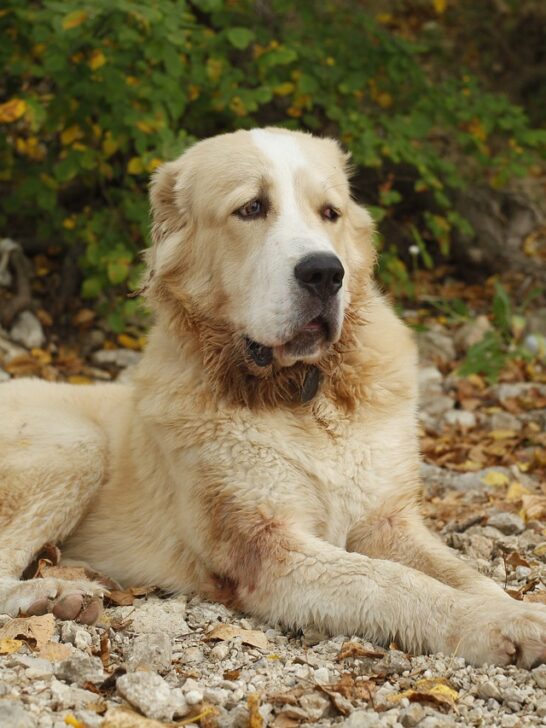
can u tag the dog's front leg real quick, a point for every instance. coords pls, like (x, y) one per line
(396, 531)
(294, 578)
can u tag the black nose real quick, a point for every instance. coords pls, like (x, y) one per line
(320, 273)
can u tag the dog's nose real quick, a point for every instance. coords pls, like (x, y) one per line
(320, 273)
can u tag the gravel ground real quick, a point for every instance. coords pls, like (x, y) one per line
(183, 661)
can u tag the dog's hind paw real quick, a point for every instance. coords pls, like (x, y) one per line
(79, 600)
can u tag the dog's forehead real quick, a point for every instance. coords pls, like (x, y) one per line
(282, 150)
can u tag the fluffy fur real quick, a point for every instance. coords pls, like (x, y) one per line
(211, 474)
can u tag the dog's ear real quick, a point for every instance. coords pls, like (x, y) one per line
(169, 216)
(362, 231)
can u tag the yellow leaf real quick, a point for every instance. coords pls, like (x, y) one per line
(69, 135)
(540, 550)
(9, 646)
(73, 19)
(135, 166)
(493, 477)
(144, 127)
(12, 110)
(384, 100)
(502, 434)
(255, 719)
(79, 379)
(128, 342)
(96, 60)
(109, 145)
(471, 465)
(516, 491)
(284, 89)
(153, 164)
(440, 6)
(534, 507)
(69, 223)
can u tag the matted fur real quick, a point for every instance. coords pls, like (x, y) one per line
(209, 474)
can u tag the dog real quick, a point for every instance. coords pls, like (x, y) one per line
(265, 454)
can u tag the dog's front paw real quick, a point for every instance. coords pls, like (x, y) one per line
(79, 600)
(500, 632)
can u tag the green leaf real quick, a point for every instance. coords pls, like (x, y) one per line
(117, 271)
(240, 37)
(91, 287)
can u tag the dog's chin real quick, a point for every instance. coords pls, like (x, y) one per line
(307, 345)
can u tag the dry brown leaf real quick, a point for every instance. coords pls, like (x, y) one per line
(125, 718)
(229, 631)
(514, 560)
(126, 597)
(104, 649)
(8, 646)
(231, 674)
(71, 573)
(538, 597)
(354, 649)
(56, 651)
(533, 507)
(255, 719)
(283, 720)
(36, 631)
(435, 691)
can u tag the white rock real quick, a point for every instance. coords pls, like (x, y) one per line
(487, 690)
(435, 345)
(4, 376)
(362, 719)
(165, 616)
(194, 696)
(80, 668)
(27, 330)
(322, 675)
(150, 652)
(119, 357)
(76, 635)
(13, 714)
(460, 418)
(148, 692)
(504, 421)
(539, 675)
(507, 523)
(220, 651)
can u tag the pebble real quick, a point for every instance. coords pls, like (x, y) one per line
(150, 652)
(412, 715)
(13, 715)
(487, 690)
(507, 523)
(539, 676)
(460, 418)
(27, 330)
(118, 357)
(80, 668)
(149, 693)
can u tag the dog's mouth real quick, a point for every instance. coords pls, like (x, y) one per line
(307, 342)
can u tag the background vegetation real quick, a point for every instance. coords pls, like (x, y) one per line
(94, 96)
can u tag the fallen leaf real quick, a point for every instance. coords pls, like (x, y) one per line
(515, 492)
(255, 719)
(36, 631)
(533, 507)
(503, 434)
(354, 649)
(539, 597)
(436, 691)
(129, 342)
(73, 721)
(206, 717)
(71, 573)
(229, 631)
(8, 646)
(104, 649)
(540, 550)
(495, 478)
(514, 560)
(56, 651)
(125, 718)
(231, 674)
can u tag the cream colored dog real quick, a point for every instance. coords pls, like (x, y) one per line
(266, 453)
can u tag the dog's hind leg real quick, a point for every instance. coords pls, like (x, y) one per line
(50, 469)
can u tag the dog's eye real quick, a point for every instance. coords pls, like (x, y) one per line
(330, 213)
(252, 209)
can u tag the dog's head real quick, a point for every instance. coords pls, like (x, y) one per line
(256, 232)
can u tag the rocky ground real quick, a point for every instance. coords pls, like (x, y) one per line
(153, 661)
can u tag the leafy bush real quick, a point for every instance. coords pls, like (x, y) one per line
(97, 94)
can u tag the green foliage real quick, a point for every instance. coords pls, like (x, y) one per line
(97, 94)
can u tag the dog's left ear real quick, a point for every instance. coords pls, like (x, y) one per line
(362, 230)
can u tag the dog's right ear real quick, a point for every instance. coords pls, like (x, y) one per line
(168, 216)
